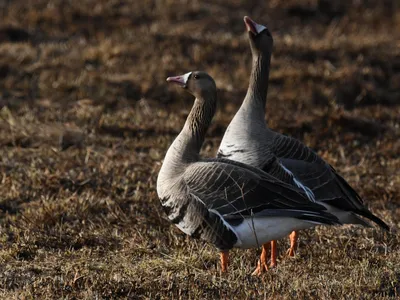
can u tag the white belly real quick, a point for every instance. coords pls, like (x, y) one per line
(253, 232)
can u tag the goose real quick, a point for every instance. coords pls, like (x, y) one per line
(226, 203)
(249, 140)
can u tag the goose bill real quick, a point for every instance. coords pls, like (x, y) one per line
(181, 79)
(253, 26)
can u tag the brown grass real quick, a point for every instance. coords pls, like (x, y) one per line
(86, 118)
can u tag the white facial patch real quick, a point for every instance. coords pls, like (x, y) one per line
(186, 77)
(259, 28)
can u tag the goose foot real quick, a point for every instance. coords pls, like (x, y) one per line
(261, 268)
(262, 265)
(293, 243)
(224, 261)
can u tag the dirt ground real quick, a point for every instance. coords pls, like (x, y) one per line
(86, 118)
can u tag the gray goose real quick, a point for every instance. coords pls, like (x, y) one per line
(249, 140)
(226, 203)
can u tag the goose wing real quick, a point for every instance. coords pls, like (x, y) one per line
(324, 181)
(314, 172)
(236, 190)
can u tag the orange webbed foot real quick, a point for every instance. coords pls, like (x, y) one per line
(262, 265)
(293, 244)
(261, 268)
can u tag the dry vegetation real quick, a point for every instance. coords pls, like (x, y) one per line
(86, 118)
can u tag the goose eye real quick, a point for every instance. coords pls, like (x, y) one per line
(196, 76)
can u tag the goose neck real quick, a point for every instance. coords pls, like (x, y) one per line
(187, 145)
(258, 85)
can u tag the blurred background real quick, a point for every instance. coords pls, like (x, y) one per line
(86, 118)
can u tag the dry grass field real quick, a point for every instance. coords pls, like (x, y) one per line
(86, 118)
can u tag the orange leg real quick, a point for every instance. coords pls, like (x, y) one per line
(273, 254)
(224, 261)
(262, 263)
(293, 243)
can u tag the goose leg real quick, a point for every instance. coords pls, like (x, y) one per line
(224, 261)
(273, 254)
(262, 263)
(293, 243)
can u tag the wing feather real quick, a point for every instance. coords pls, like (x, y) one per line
(326, 184)
(231, 188)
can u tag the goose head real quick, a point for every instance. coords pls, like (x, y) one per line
(259, 36)
(197, 83)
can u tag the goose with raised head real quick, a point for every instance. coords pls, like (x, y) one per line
(227, 203)
(249, 140)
